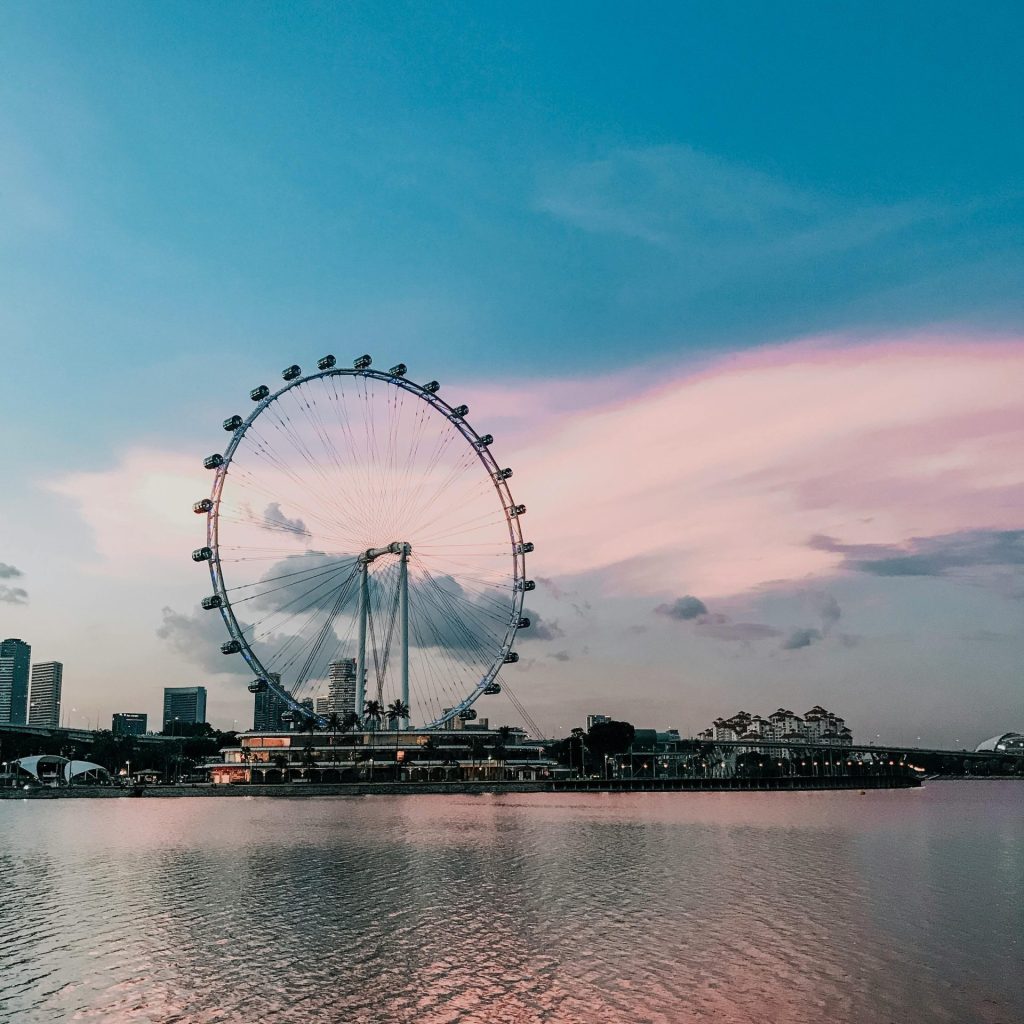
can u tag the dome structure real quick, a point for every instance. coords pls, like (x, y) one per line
(1004, 743)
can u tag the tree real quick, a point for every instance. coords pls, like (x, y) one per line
(373, 712)
(605, 739)
(397, 710)
(281, 762)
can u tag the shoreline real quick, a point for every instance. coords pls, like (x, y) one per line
(356, 789)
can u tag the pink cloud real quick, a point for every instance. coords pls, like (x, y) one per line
(713, 479)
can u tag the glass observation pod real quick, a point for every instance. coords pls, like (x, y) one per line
(511, 658)
(203, 506)
(524, 623)
(362, 363)
(232, 423)
(431, 387)
(517, 510)
(230, 647)
(460, 411)
(398, 370)
(484, 441)
(258, 686)
(202, 555)
(526, 585)
(213, 461)
(258, 394)
(326, 363)
(503, 474)
(214, 601)
(525, 548)
(291, 373)
(468, 715)
(492, 688)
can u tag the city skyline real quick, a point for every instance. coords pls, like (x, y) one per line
(759, 378)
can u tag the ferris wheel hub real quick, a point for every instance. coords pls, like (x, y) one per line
(394, 548)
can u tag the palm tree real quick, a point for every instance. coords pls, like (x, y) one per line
(476, 749)
(429, 747)
(334, 724)
(373, 712)
(397, 710)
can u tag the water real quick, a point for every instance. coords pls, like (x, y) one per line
(891, 906)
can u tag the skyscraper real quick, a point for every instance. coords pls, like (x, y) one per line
(341, 692)
(267, 709)
(184, 704)
(14, 664)
(44, 703)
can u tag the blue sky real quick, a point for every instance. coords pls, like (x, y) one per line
(193, 195)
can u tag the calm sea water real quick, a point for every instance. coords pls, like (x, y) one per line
(892, 906)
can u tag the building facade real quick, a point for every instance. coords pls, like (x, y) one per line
(184, 704)
(267, 709)
(127, 723)
(782, 726)
(44, 699)
(15, 656)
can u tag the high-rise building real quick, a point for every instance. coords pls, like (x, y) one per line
(14, 672)
(184, 704)
(593, 720)
(268, 708)
(341, 690)
(126, 723)
(44, 701)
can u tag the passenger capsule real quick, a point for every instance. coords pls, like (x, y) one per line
(483, 442)
(523, 623)
(511, 658)
(257, 686)
(516, 510)
(202, 507)
(232, 423)
(202, 555)
(503, 474)
(398, 370)
(468, 715)
(431, 387)
(460, 411)
(230, 647)
(258, 394)
(526, 585)
(362, 363)
(211, 602)
(492, 688)
(326, 363)
(213, 461)
(525, 548)
(291, 373)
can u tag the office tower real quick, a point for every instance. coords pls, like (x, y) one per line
(341, 692)
(185, 705)
(126, 723)
(14, 665)
(44, 701)
(268, 708)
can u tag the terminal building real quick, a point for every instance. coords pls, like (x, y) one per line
(381, 755)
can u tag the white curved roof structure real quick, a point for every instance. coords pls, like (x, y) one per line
(50, 766)
(36, 764)
(1004, 743)
(77, 769)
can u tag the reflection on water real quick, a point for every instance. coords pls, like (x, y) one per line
(893, 906)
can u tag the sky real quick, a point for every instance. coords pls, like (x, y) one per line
(736, 287)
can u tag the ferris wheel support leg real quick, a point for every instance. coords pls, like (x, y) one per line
(404, 616)
(364, 602)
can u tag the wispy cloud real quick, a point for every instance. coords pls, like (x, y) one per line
(9, 594)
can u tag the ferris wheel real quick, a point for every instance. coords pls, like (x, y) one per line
(356, 517)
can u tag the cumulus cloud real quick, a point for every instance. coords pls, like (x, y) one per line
(560, 656)
(799, 638)
(197, 639)
(683, 608)
(721, 627)
(13, 595)
(9, 572)
(275, 519)
(539, 629)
